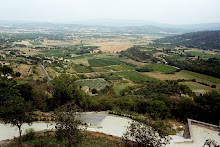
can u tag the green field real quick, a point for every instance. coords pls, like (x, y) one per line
(104, 62)
(119, 67)
(110, 68)
(118, 88)
(35, 43)
(81, 69)
(82, 56)
(199, 77)
(59, 53)
(98, 84)
(196, 86)
(203, 55)
(162, 68)
(135, 76)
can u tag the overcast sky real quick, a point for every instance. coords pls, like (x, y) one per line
(163, 11)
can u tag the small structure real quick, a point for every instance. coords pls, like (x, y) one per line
(85, 89)
(195, 134)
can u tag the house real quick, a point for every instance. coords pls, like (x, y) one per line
(8, 76)
(2, 55)
(85, 89)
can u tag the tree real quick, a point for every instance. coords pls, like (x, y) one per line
(16, 111)
(143, 136)
(185, 108)
(6, 69)
(17, 74)
(65, 90)
(99, 52)
(67, 126)
(208, 106)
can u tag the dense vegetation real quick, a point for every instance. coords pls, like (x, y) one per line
(136, 54)
(209, 67)
(153, 99)
(202, 40)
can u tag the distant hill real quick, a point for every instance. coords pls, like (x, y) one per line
(202, 40)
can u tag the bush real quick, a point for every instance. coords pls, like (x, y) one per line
(213, 86)
(193, 80)
(30, 135)
(143, 135)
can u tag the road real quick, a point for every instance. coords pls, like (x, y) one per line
(45, 74)
(98, 122)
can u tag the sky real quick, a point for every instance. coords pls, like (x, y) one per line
(67, 11)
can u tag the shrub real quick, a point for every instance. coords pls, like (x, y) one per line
(30, 135)
(213, 86)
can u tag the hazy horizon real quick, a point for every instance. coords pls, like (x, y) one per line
(73, 11)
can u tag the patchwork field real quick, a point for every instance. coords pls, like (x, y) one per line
(135, 76)
(199, 77)
(162, 76)
(188, 75)
(162, 68)
(133, 62)
(203, 55)
(103, 62)
(119, 67)
(36, 43)
(196, 86)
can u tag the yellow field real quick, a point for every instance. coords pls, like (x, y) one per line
(130, 61)
(163, 77)
(196, 87)
(23, 42)
(24, 69)
(201, 51)
(188, 75)
(26, 50)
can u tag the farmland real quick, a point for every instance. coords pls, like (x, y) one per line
(35, 43)
(103, 62)
(119, 87)
(99, 71)
(202, 55)
(162, 68)
(119, 67)
(135, 76)
(188, 75)
(196, 86)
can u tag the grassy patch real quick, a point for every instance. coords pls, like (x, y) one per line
(103, 62)
(81, 69)
(111, 68)
(90, 139)
(119, 67)
(161, 68)
(22, 82)
(196, 86)
(118, 88)
(35, 43)
(135, 76)
(162, 76)
(203, 55)
(199, 77)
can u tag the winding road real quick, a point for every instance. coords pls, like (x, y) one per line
(97, 122)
